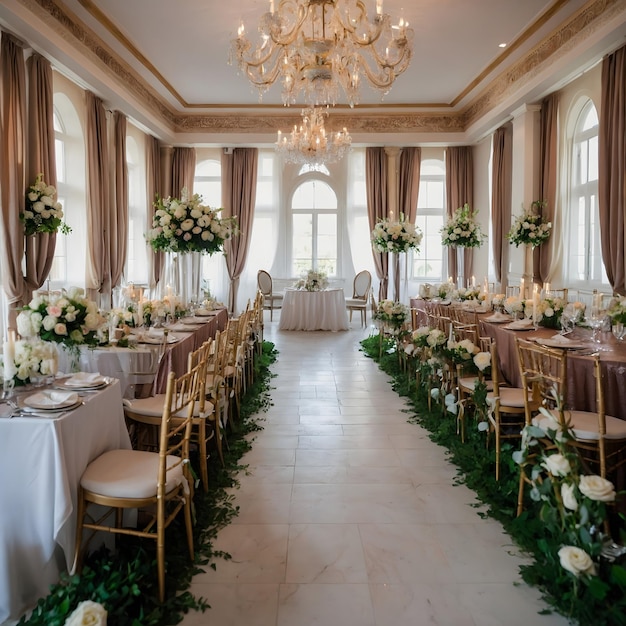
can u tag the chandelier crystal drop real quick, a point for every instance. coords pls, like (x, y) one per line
(322, 48)
(310, 143)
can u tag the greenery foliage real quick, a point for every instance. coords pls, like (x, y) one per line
(125, 583)
(596, 600)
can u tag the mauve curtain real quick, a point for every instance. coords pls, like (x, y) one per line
(409, 182)
(239, 172)
(183, 170)
(548, 175)
(459, 191)
(39, 249)
(154, 188)
(502, 177)
(97, 271)
(612, 167)
(12, 172)
(118, 216)
(377, 207)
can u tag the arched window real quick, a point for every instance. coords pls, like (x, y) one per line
(314, 228)
(68, 267)
(428, 263)
(583, 244)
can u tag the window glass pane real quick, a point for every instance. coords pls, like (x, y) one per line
(314, 194)
(302, 247)
(428, 263)
(211, 192)
(590, 119)
(209, 168)
(593, 158)
(327, 243)
(59, 152)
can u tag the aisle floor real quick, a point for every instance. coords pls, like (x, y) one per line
(350, 516)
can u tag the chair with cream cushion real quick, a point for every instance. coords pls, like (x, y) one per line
(360, 294)
(271, 299)
(156, 483)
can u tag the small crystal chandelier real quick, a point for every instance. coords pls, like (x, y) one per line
(310, 143)
(322, 48)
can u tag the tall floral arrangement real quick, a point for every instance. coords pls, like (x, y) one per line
(395, 236)
(462, 230)
(394, 314)
(530, 228)
(187, 225)
(69, 319)
(43, 214)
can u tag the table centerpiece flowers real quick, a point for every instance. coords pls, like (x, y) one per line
(33, 358)
(617, 310)
(43, 214)
(392, 314)
(312, 280)
(395, 236)
(68, 318)
(462, 230)
(530, 228)
(186, 225)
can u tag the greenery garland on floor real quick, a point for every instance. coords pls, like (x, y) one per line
(601, 602)
(126, 583)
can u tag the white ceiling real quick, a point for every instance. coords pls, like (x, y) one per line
(178, 52)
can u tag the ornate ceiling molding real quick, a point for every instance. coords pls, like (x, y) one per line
(77, 34)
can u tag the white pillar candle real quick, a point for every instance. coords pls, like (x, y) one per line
(8, 356)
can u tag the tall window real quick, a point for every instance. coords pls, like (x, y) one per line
(428, 264)
(314, 227)
(137, 257)
(584, 254)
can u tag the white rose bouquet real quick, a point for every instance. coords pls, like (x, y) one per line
(187, 225)
(462, 230)
(395, 314)
(390, 236)
(43, 214)
(530, 228)
(313, 280)
(69, 319)
(33, 357)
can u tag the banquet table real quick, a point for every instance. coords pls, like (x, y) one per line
(314, 310)
(41, 462)
(581, 389)
(122, 363)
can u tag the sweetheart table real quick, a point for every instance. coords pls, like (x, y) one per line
(41, 462)
(314, 310)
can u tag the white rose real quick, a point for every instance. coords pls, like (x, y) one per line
(482, 360)
(49, 322)
(187, 225)
(597, 488)
(92, 321)
(88, 613)
(576, 561)
(38, 207)
(24, 324)
(557, 465)
(47, 200)
(33, 196)
(60, 329)
(569, 497)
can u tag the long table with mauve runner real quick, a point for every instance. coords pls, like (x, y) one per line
(581, 385)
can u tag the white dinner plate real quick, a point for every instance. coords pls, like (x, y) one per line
(83, 380)
(563, 344)
(156, 340)
(513, 326)
(190, 321)
(498, 319)
(205, 313)
(51, 400)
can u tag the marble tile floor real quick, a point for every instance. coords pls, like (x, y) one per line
(349, 514)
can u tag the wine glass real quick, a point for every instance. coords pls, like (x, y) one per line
(595, 320)
(619, 330)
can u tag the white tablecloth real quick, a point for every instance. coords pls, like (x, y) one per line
(41, 462)
(314, 310)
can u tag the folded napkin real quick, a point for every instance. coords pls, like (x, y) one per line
(561, 339)
(84, 379)
(523, 323)
(498, 317)
(50, 398)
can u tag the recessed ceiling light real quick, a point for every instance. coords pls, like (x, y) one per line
(501, 45)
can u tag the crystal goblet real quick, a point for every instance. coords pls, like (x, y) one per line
(619, 330)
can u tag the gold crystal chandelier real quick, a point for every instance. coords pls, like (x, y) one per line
(322, 48)
(310, 143)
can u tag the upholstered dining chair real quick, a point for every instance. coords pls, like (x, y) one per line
(271, 299)
(156, 483)
(360, 294)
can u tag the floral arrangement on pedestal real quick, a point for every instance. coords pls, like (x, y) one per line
(69, 319)
(33, 358)
(462, 230)
(530, 228)
(43, 214)
(448, 291)
(426, 337)
(392, 314)
(187, 225)
(395, 236)
(312, 280)
(617, 310)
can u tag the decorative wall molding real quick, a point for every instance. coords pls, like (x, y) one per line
(87, 43)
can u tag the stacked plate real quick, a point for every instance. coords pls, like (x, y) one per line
(560, 341)
(50, 401)
(83, 381)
